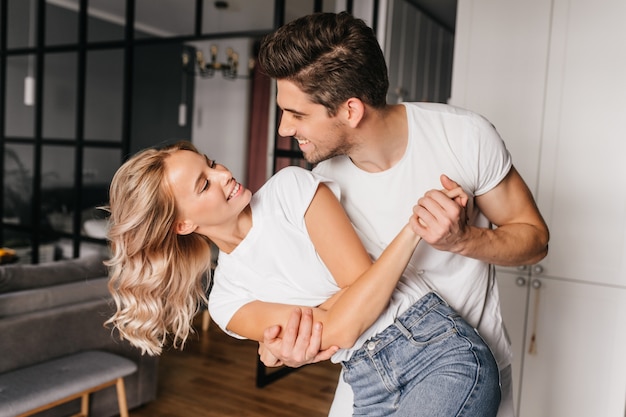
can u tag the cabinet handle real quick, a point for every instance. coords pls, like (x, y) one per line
(532, 348)
(520, 281)
(537, 270)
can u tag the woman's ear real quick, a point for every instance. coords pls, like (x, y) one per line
(184, 227)
(355, 110)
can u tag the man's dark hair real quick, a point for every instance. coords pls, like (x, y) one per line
(331, 57)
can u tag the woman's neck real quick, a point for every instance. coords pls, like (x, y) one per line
(229, 236)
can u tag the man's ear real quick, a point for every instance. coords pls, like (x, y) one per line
(184, 227)
(355, 110)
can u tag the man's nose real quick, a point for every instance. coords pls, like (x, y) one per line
(285, 128)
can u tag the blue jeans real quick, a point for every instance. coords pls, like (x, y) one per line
(429, 363)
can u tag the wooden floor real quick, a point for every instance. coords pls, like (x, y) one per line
(215, 376)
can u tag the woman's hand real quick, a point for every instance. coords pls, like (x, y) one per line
(300, 344)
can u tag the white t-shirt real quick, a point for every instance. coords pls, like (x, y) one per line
(442, 140)
(276, 261)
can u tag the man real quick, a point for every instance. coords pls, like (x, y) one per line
(331, 86)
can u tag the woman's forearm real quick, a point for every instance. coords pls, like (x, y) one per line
(357, 306)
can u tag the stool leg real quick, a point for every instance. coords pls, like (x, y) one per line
(84, 405)
(121, 397)
(206, 317)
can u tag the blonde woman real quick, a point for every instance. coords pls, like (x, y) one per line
(291, 244)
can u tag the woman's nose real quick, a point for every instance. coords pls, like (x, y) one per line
(221, 173)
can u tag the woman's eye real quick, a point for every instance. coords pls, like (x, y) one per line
(213, 163)
(205, 186)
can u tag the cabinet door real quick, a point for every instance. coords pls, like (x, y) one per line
(579, 366)
(513, 289)
(582, 171)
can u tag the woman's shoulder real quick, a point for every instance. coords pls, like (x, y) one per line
(292, 176)
(290, 190)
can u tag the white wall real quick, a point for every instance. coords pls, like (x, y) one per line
(221, 109)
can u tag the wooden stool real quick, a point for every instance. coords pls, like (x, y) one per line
(30, 390)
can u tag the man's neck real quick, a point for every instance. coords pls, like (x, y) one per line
(381, 139)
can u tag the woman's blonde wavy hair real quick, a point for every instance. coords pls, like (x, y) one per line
(156, 275)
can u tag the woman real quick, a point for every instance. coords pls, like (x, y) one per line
(289, 244)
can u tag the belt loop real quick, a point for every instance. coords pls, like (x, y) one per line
(403, 329)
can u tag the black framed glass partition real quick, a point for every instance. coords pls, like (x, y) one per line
(86, 83)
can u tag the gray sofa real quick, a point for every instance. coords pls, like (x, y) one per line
(58, 308)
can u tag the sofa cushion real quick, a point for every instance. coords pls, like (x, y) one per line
(22, 277)
(21, 302)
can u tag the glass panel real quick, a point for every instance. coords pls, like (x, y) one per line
(18, 187)
(282, 162)
(238, 16)
(287, 143)
(107, 19)
(104, 95)
(298, 8)
(59, 96)
(20, 117)
(20, 242)
(157, 111)
(57, 187)
(99, 166)
(164, 19)
(330, 6)
(21, 23)
(61, 24)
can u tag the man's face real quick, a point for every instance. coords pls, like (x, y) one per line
(319, 135)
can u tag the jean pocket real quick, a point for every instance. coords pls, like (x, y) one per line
(432, 328)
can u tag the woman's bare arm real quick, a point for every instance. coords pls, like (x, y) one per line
(366, 287)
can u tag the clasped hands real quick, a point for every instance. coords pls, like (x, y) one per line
(439, 217)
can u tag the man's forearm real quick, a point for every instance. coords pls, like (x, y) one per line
(508, 245)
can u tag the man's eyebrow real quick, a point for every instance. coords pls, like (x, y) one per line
(293, 111)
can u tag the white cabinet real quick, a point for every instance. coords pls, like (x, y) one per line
(550, 76)
(577, 365)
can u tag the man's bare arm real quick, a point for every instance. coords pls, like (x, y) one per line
(521, 236)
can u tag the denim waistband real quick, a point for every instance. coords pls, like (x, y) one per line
(406, 320)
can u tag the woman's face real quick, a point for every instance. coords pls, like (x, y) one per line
(206, 193)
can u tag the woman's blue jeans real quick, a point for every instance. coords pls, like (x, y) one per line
(429, 363)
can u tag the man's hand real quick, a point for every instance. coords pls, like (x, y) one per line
(300, 344)
(439, 217)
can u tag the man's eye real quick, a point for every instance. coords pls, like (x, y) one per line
(212, 164)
